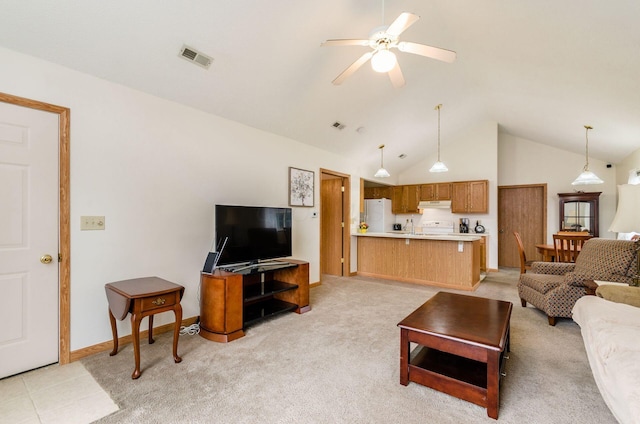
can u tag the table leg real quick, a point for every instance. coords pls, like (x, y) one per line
(404, 356)
(114, 331)
(177, 310)
(135, 333)
(493, 383)
(151, 341)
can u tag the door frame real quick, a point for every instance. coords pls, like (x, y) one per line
(346, 214)
(64, 229)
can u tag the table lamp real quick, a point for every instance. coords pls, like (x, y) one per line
(627, 217)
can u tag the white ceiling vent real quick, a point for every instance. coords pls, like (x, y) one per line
(194, 56)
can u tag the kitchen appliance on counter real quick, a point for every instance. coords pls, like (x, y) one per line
(397, 227)
(464, 225)
(378, 215)
(437, 227)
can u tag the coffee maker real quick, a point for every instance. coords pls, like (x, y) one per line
(464, 225)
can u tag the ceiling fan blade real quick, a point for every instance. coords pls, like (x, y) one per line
(396, 77)
(402, 22)
(345, 42)
(352, 68)
(428, 51)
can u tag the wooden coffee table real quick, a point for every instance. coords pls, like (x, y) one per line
(462, 341)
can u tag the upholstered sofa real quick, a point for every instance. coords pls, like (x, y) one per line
(554, 287)
(610, 328)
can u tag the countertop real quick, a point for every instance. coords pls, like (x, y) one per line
(405, 235)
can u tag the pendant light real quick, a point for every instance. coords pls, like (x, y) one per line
(587, 177)
(439, 166)
(382, 173)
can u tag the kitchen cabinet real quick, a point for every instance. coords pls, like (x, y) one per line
(435, 191)
(579, 212)
(378, 192)
(470, 196)
(405, 198)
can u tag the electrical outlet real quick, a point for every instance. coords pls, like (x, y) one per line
(460, 246)
(91, 223)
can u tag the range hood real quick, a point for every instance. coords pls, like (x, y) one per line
(435, 204)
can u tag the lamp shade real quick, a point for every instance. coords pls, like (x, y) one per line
(587, 177)
(382, 173)
(439, 167)
(627, 217)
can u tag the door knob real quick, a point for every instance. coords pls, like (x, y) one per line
(46, 259)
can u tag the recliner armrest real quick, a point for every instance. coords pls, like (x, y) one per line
(554, 268)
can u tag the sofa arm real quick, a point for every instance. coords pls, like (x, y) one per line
(620, 294)
(554, 268)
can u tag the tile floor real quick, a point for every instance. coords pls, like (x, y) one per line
(54, 394)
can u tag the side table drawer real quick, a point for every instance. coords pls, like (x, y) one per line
(159, 301)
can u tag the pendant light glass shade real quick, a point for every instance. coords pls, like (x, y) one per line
(587, 177)
(439, 166)
(382, 173)
(383, 61)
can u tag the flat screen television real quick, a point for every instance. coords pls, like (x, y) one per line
(254, 233)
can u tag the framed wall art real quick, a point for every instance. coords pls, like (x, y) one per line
(301, 187)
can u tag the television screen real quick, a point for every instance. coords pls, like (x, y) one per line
(254, 233)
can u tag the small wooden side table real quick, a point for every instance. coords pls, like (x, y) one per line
(143, 297)
(590, 287)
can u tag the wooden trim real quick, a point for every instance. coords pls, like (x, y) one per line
(108, 345)
(316, 284)
(64, 278)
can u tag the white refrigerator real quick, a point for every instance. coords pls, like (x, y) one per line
(377, 213)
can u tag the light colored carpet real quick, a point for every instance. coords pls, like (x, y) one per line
(339, 363)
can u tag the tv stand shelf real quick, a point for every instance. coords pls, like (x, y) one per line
(231, 301)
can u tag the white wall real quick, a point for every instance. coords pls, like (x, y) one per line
(523, 161)
(470, 155)
(155, 169)
(630, 162)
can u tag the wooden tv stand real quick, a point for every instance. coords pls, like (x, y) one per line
(230, 301)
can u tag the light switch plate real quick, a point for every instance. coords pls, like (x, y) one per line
(91, 223)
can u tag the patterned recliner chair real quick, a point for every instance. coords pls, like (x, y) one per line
(554, 287)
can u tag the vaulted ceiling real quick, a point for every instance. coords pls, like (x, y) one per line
(540, 69)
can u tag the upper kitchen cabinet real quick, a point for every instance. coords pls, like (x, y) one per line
(470, 197)
(435, 191)
(405, 198)
(579, 212)
(378, 192)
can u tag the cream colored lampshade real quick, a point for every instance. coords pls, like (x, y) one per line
(627, 217)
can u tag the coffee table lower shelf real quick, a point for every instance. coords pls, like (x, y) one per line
(457, 376)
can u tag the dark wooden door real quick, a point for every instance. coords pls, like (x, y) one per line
(524, 209)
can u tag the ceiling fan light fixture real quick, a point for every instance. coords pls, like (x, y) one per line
(383, 61)
(381, 173)
(587, 177)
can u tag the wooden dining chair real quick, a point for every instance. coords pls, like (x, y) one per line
(568, 246)
(524, 263)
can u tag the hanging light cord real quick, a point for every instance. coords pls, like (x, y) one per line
(586, 166)
(438, 108)
(381, 147)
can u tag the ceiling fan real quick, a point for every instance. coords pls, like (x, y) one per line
(382, 40)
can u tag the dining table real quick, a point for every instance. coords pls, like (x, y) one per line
(548, 252)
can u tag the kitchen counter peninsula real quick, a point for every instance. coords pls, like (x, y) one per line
(443, 260)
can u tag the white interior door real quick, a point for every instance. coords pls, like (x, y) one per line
(29, 225)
